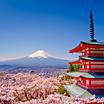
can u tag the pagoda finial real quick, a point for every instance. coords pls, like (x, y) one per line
(92, 28)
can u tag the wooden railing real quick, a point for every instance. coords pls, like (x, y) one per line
(92, 70)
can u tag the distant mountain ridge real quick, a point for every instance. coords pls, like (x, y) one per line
(39, 58)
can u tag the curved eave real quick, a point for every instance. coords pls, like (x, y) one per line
(79, 48)
(84, 59)
(86, 75)
(94, 43)
(84, 45)
(74, 62)
(91, 78)
(92, 59)
(78, 91)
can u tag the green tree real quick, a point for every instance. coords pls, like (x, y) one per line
(73, 68)
(62, 90)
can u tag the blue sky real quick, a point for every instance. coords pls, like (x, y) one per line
(51, 25)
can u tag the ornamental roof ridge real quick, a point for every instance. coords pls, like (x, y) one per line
(93, 43)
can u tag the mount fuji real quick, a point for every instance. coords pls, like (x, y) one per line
(40, 54)
(38, 58)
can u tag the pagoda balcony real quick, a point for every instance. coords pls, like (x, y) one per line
(92, 70)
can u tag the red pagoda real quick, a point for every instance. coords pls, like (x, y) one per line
(90, 77)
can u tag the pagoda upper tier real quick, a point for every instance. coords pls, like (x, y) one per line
(88, 80)
(95, 49)
(83, 46)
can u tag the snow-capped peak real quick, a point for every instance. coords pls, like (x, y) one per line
(40, 54)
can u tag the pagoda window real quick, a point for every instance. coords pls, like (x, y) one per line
(87, 52)
(82, 82)
(81, 45)
(83, 51)
(87, 82)
(82, 66)
(87, 66)
(92, 48)
(87, 62)
(87, 49)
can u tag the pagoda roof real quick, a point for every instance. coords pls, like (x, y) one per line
(78, 91)
(86, 75)
(81, 92)
(82, 59)
(93, 58)
(94, 43)
(84, 45)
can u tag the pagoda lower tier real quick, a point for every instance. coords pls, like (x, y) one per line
(90, 64)
(88, 80)
(85, 85)
(89, 48)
